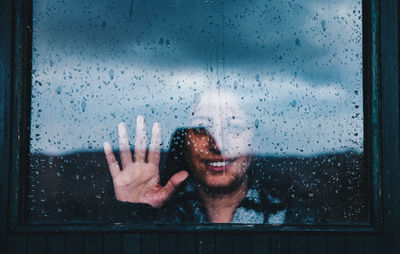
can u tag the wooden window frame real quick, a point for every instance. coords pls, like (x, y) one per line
(20, 136)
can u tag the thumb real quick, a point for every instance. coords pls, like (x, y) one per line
(174, 182)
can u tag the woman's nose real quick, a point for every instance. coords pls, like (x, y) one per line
(212, 145)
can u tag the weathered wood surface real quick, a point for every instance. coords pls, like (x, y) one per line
(191, 243)
(5, 80)
(131, 243)
(390, 122)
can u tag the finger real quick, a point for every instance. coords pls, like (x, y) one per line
(124, 149)
(140, 140)
(174, 182)
(112, 162)
(154, 149)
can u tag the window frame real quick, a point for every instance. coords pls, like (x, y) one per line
(20, 135)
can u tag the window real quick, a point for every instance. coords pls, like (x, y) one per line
(273, 89)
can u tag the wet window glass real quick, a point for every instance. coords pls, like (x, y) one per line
(197, 112)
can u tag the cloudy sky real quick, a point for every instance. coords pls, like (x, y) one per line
(295, 66)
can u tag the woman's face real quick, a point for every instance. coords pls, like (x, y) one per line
(219, 143)
(225, 121)
(209, 166)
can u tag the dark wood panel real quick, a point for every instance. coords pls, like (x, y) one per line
(205, 243)
(373, 244)
(187, 243)
(280, 244)
(389, 32)
(261, 244)
(93, 243)
(317, 244)
(150, 243)
(355, 244)
(6, 14)
(223, 243)
(36, 244)
(112, 244)
(55, 243)
(17, 244)
(20, 92)
(168, 244)
(242, 243)
(337, 245)
(299, 244)
(131, 243)
(74, 243)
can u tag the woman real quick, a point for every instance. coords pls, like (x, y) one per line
(213, 156)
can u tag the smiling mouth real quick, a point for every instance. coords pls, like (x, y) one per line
(219, 165)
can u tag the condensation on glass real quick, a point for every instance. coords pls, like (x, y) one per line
(274, 88)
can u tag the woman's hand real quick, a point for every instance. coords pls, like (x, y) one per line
(138, 181)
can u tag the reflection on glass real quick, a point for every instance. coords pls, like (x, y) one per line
(258, 99)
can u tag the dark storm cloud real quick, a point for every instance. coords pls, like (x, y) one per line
(235, 33)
